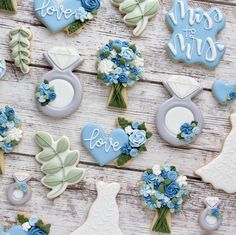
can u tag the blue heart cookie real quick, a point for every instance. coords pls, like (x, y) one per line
(223, 91)
(15, 230)
(104, 148)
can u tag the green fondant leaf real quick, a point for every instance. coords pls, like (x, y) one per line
(143, 127)
(52, 180)
(142, 148)
(75, 26)
(43, 139)
(62, 145)
(133, 18)
(74, 176)
(123, 159)
(148, 134)
(151, 8)
(128, 6)
(46, 155)
(21, 219)
(123, 122)
(7, 5)
(45, 227)
(71, 159)
(51, 167)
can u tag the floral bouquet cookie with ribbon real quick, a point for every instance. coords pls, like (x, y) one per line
(164, 189)
(10, 133)
(119, 64)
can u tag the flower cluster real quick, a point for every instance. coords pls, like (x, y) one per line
(189, 131)
(87, 9)
(45, 93)
(215, 212)
(119, 62)
(164, 187)
(33, 225)
(22, 186)
(10, 132)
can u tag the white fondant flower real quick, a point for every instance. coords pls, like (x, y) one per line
(26, 226)
(182, 180)
(129, 130)
(138, 62)
(113, 53)
(89, 16)
(156, 169)
(14, 134)
(106, 66)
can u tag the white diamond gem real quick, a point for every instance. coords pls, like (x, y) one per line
(212, 201)
(21, 176)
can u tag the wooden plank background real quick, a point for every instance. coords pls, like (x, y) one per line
(70, 210)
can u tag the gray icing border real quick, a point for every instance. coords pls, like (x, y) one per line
(27, 195)
(67, 75)
(173, 102)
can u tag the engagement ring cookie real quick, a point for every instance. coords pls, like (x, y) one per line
(164, 189)
(11, 133)
(224, 92)
(211, 218)
(27, 226)
(8, 5)
(179, 120)
(19, 192)
(122, 144)
(3, 68)
(137, 13)
(69, 15)
(20, 44)
(194, 37)
(59, 92)
(58, 163)
(103, 217)
(120, 65)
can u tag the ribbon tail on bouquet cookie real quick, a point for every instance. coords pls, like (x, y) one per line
(164, 189)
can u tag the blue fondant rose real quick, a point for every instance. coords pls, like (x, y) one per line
(171, 190)
(36, 231)
(137, 138)
(127, 53)
(90, 5)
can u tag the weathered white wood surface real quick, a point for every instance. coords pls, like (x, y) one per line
(67, 212)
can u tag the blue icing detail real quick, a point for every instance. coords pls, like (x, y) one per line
(194, 34)
(104, 148)
(15, 230)
(56, 16)
(222, 90)
(2, 68)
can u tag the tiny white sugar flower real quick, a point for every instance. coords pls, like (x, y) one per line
(14, 134)
(113, 53)
(106, 66)
(182, 180)
(156, 169)
(166, 199)
(26, 226)
(129, 130)
(89, 16)
(139, 62)
(1, 138)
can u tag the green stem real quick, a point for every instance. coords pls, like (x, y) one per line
(117, 100)
(161, 225)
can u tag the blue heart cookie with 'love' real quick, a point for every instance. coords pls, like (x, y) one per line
(56, 15)
(224, 92)
(104, 148)
(15, 230)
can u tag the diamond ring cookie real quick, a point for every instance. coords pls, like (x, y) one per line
(19, 192)
(59, 92)
(138, 12)
(68, 15)
(179, 120)
(8, 5)
(193, 40)
(211, 218)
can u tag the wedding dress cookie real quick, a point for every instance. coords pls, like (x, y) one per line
(103, 217)
(220, 172)
(8, 5)
(179, 120)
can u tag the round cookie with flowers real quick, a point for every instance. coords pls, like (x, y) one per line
(119, 65)
(10, 133)
(164, 189)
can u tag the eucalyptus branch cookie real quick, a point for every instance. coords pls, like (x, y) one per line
(8, 5)
(138, 12)
(20, 45)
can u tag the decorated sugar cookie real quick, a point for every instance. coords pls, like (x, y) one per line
(224, 92)
(103, 217)
(59, 92)
(122, 144)
(3, 68)
(19, 192)
(220, 172)
(27, 226)
(137, 12)
(69, 15)
(211, 218)
(164, 189)
(193, 40)
(119, 65)
(58, 163)
(19, 45)
(8, 5)
(179, 120)
(10, 133)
